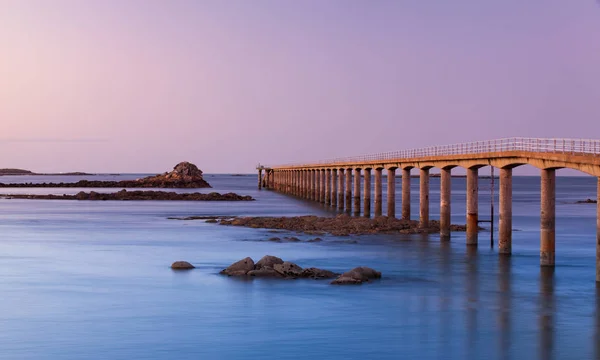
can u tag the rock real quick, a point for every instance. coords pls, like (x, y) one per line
(315, 240)
(292, 239)
(182, 265)
(239, 268)
(211, 221)
(268, 261)
(315, 273)
(265, 271)
(357, 276)
(275, 239)
(587, 201)
(288, 269)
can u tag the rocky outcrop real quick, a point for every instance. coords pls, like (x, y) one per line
(587, 201)
(138, 195)
(268, 261)
(185, 175)
(239, 268)
(341, 225)
(273, 267)
(182, 265)
(357, 276)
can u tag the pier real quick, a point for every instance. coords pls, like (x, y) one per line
(330, 182)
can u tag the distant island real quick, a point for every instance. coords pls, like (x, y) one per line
(137, 195)
(185, 175)
(9, 172)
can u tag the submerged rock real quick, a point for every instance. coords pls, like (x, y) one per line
(357, 276)
(182, 265)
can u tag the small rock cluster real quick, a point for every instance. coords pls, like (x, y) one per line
(274, 267)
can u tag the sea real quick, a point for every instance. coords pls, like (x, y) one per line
(92, 280)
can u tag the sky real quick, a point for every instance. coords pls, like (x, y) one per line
(140, 85)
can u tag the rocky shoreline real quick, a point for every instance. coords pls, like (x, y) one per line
(137, 195)
(341, 225)
(185, 175)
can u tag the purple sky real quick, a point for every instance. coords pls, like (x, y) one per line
(139, 85)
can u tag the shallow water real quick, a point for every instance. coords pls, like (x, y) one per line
(91, 280)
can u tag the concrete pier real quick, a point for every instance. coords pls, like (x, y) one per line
(378, 193)
(367, 193)
(548, 220)
(259, 178)
(391, 192)
(322, 197)
(424, 199)
(356, 195)
(472, 205)
(598, 233)
(348, 191)
(317, 185)
(445, 196)
(328, 187)
(313, 185)
(334, 185)
(406, 194)
(341, 189)
(505, 222)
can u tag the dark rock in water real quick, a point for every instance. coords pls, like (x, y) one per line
(239, 268)
(587, 201)
(211, 221)
(268, 261)
(357, 276)
(314, 273)
(182, 265)
(292, 239)
(315, 240)
(138, 195)
(275, 239)
(288, 269)
(265, 271)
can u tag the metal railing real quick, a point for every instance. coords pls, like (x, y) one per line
(534, 145)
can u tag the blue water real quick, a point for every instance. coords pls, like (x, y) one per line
(91, 280)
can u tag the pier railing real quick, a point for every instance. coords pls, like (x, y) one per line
(534, 145)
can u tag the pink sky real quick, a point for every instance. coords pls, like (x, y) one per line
(139, 85)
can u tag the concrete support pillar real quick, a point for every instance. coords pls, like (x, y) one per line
(306, 192)
(378, 193)
(322, 197)
(259, 178)
(548, 217)
(341, 189)
(598, 233)
(445, 202)
(334, 185)
(356, 195)
(391, 193)
(472, 205)
(327, 187)
(295, 191)
(406, 194)
(313, 185)
(424, 199)
(348, 190)
(505, 223)
(367, 194)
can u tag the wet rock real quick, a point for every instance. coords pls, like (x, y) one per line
(587, 201)
(275, 239)
(315, 273)
(292, 239)
(357, 276)
(239, 268)
(265, 271)
(268, 261)
(288, 269)
(211, 221)
(182, 265)
(315, 240)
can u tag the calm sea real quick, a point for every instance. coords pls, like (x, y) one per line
(91, 280)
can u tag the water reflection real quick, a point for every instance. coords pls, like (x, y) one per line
(472, 299)
(597, 325)
(547, 310)
(504, 305)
